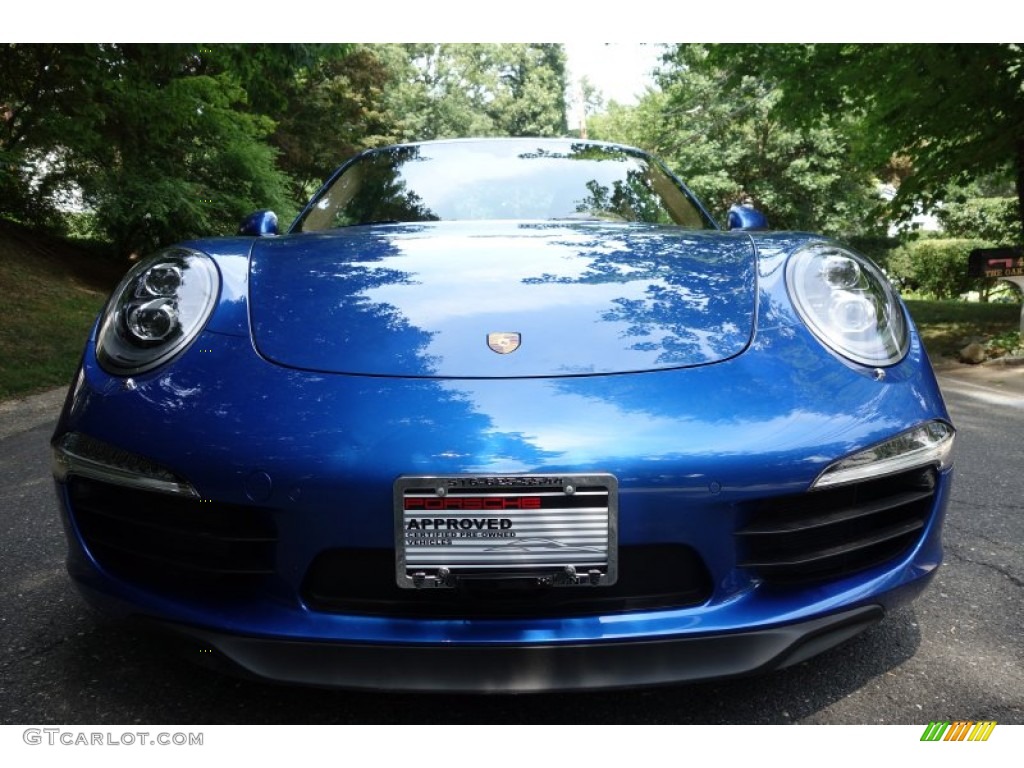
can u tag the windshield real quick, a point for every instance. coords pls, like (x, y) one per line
(502, 179)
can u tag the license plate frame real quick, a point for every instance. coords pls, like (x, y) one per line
(543, 530)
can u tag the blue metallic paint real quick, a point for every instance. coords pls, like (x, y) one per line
(259, 224)
(419, 299)
(671, 357)
(686, 444)
(742, 217)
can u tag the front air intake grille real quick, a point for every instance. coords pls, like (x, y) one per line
(173, 541)
(828, 534)
(363, 581)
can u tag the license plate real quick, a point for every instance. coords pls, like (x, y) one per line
(559, 530)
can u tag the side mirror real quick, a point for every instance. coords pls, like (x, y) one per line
(744, 217)
(259, 224)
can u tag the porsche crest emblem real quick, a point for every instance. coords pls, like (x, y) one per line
(503, 342)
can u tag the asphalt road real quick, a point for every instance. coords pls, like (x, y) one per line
(957, 653)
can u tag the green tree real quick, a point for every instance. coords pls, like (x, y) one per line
(174, 154)
(170, 141)
(985, 218)
(720, 135)
(328, 102)
(947, 113)
(444, 90)
(985, 209)
(530, 99)
(159, 138)
(44, 111)
(645, 125)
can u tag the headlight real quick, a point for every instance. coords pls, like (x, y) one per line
(848, 304)
(930, 444)
(157, 310)
(84, 456)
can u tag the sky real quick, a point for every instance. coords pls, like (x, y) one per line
(518, 21)
(621, 71)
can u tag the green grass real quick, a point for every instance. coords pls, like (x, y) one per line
(50, 293)
(947, 326)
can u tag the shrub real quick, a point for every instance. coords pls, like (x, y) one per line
(936, 267)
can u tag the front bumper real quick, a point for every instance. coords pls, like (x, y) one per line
(697, 452)
(526, 668)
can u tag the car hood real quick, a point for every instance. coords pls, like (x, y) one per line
(425, 299)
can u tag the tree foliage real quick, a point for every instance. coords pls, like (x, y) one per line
(934, 116)
(328, 103)
(720, 134)
(41, 94)
(993, 219)
(165, 142)
(160, 143)
(178, 155)
(444, 90)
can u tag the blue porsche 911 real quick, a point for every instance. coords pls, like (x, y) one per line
(504, 415)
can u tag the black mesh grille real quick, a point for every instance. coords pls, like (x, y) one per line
(162, 539)
(827, 534)
(363, 581)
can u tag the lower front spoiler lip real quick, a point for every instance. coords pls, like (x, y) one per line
(527, 668)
